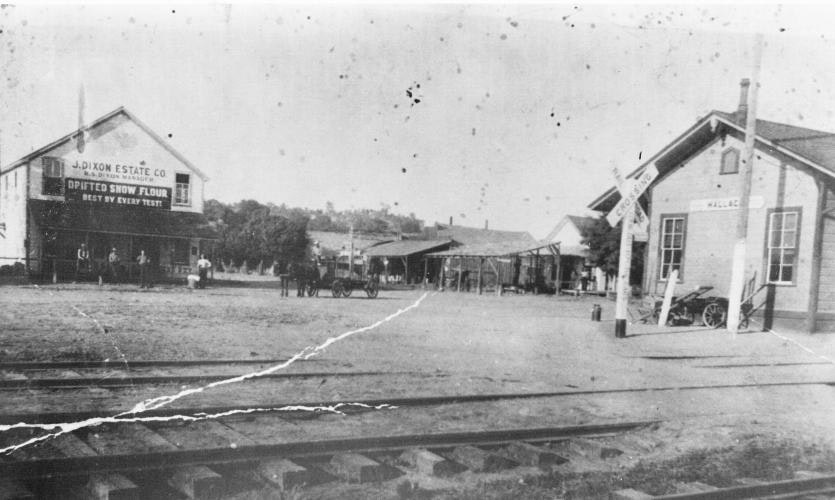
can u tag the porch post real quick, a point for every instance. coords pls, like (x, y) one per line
(425, 272)
(817, 249)
(460, 271)
(480, 265)
(130, 257)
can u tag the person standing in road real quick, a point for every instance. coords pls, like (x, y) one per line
(203, 266)
(82, 262)
(113, 265)
(144, 270)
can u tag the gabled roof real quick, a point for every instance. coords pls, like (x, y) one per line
(332, 242)
(97, 122)
(580, 222)
(814, 148)
(473, 235)
(405, 248)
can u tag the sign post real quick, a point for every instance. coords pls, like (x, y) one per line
(629, 211)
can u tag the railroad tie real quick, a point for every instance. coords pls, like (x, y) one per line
(528, 454)
(694, 487)
(426, 462)
(285, 474)
(591, 448)
(13, 490)
(479, 460)
(196, 481)
(110, 487)
(629, 494)
(357, 468)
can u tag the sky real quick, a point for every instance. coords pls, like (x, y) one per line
(512, 114)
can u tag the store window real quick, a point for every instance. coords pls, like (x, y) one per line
(730, 161)
(53, 176)
(673, 231)
(181, 195)
(783, 232)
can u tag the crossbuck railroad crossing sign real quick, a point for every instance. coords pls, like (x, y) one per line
(630, 191)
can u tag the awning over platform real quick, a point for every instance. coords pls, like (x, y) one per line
(405, 248)
(499, 249)
(120, 220)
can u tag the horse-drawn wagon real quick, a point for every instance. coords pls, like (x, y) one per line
(341, 282)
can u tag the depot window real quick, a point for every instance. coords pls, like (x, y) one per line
(781, 250)
(53, 176)
(730, 161)
(182, 191)
(673, 232)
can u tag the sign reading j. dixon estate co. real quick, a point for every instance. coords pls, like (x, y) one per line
(112, 193)
(103, 170)
(732, 203)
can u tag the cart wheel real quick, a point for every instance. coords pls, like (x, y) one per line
(714, 315)
(346, 290)
(337, 289)
(372, 290)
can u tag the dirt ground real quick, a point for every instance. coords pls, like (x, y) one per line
(448, 344)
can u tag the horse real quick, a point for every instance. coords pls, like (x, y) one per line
(307, 278)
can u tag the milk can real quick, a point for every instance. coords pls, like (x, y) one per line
(596, 311)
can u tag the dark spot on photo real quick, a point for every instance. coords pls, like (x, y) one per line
(403, 170)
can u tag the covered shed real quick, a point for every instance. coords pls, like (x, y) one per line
(514, 265)
(400, 261)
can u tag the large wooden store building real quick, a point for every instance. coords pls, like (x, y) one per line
(114, 184)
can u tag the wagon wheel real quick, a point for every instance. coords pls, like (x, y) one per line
(714, 315)
(372, 290)
(680, 315)
(337, 289)
(347, 289)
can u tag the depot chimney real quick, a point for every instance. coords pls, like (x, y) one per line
(485, 224)
(742, 110)
(450, 220)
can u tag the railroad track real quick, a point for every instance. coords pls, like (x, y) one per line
(363, 404)
(74, 375)
(76, 381)
(158, 460)
(219, 459)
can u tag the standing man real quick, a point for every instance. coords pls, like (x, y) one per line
(113, 265)
(82, 262)
(144, 271)
(203, 266)
(317, 252)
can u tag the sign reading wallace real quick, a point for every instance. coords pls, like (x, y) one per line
(112, 193)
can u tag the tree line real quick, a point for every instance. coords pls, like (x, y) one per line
(253, 232)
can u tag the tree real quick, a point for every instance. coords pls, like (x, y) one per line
(250, 232)
(603, 241)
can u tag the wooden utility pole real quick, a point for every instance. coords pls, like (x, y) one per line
(738, 269)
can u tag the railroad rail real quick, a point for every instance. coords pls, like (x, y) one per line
(75, 382)
(414, 401)
(118, 364)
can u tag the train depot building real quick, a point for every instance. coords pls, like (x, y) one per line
(113, 184)
(693, 212)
